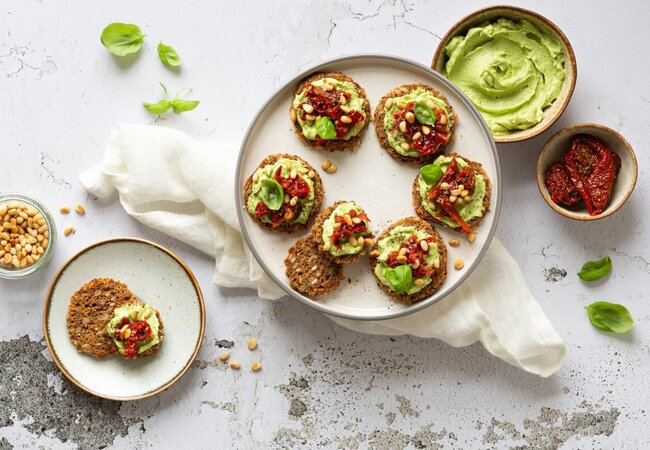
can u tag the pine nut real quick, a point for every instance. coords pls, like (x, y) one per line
(444, 186)
(331, 169)
(255, 177)
(464, 193)
(134, 315)
(325, 164)
(402, 252)
(426, 130)
(80, 210)
(416, 264)
(342, 99)
(7, 258)
(419, 281)
(388, 103)
(368, 242)
(293, 201)
(326, 246)
(68, 231)
(404, 146)
(456, 192)
(126, 333)
(288, 214)
(417, 136)
(430, 104)
(256, 366)
(347, 219)
(224, 356)
(147, 312)
(458, 264)
(461, 187)
(310, 117)
(292, 114)
(401, 259)
(410, 117)
(459, 201)
(346, 119)
(402, 105)
(454, 242)
(235, 365)
(402, 126)
(346, 109)
(471, 237)
(311, 174)
(467, 198)
(328, 87)
(452, 198)
(373, 254)
(356, 220)
(436, 263)
(252, 343)
(336, 225)
(352, 240)
(443, 120)
(293, 174)
(424, 245)
(307, 108)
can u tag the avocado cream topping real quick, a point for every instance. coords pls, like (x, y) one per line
(417, 123)
(469, 209)
(337, 229)
(279, 199)
(330, 109)
(511, 71)
(134, 329)
(410, 272)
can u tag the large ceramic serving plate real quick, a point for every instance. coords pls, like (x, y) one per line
(157, 277)
(369, 176)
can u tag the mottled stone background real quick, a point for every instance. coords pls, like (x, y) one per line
(321, 386)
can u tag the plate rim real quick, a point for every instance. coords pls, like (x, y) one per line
(47, 304)
(322, 306)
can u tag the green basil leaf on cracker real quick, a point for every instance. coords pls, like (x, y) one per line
(272, 194)
(424, 114)
(325, 128)
(400, 278)
(431, 173)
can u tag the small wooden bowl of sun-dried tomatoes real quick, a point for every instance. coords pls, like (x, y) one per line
(586, 171)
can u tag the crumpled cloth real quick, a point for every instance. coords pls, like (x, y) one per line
(184, 188)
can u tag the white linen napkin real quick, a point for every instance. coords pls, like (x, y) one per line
(165, 181)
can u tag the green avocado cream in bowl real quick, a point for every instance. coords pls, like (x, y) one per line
(514, 65)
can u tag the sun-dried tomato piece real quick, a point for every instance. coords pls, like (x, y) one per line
(559, 185)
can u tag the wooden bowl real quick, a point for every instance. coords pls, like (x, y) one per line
(491, 14)
(560, 142)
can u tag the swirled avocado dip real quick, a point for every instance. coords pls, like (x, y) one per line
(511, 71)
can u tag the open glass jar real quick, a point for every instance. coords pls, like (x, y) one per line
(27, 236)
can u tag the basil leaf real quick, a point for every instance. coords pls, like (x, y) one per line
(180, 106)
(325, 128)
(431, 173)
(399, 277)
(424, 114)
(122, 39)
(595, 270)
(610, 317)
(168, 55)
(159, 107)
(272, 194)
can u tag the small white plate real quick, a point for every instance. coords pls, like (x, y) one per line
(369, 176)
(157, 277)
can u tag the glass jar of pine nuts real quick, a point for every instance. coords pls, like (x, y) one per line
(27, 236)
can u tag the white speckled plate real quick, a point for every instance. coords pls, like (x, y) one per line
(157, 277)
(368, 175)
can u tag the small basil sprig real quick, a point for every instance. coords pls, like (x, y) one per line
(122, 39)
(431, 173)
(325, 128)
(595, 270)
(272, 194)
(178, 105)
(168, 55)
(399, 277)
(424, 114)
(610, 317)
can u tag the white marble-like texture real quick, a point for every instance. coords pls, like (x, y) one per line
(62, 93)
